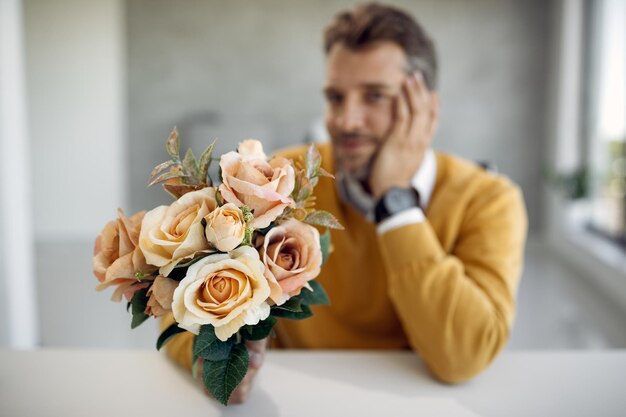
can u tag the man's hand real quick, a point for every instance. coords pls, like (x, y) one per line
(416, 112)
(256, 351)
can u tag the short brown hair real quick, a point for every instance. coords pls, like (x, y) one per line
(375, 22)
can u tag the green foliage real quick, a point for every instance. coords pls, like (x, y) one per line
(167, 335)
(205, 163)
(190, 165)
(293, 305)
(317, 296)
(138, 307)
(279, 311)
(221, 377)
(209, 347)
(325, 245)
(307, 176)
(218, 198)
(172, 146)
(191, 174)
(313, 162)
(574, 185)
(259, 331)
(248, 217)
(297, 307)
(323, 218)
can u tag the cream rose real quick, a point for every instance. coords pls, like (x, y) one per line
(160, 296)
(249, 179)
(227, 291)
(292, 256)
(117, 257)
(225, 228)
(172, 234)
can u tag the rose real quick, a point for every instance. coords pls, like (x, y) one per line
(292, 255)
(116, 256)
(225, 227)
(249, 179)
(227, 291)
(160, 296)
(171, 234)
(251, 149)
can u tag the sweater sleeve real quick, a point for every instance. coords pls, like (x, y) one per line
(457, 308)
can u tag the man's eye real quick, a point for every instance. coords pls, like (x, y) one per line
(333, 98)
(374, 97)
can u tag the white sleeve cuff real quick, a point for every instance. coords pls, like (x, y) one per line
(410, 216)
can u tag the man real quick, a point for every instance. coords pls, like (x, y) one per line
(432, 252)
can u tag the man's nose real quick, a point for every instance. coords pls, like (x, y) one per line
(352, 116)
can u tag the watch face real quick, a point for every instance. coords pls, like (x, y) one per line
(399, 199)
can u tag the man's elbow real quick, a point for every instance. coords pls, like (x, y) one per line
(468, 360)
(458, 374)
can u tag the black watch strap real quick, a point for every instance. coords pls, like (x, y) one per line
(394, 201)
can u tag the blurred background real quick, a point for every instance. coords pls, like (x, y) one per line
(89, 91)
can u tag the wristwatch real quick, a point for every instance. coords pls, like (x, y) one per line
(394, 201)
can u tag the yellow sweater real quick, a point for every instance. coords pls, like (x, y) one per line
(445, 288)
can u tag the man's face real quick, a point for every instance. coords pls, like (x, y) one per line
(360, 88)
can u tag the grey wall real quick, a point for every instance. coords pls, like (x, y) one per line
(239, 69)
(4, 324)
(75, 73)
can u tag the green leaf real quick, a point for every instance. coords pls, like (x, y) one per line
(166, 176)
(160, 168)
(205, 163)
(138, 307)
(222, 377)
(218, 198)
(209, 347)
(167, 334)
(325, 245)
(323, 173)
(293, 304)
(317, 296)
(194, 368)
(258, 331)
(172, 145)
(313, 162)
(305, 190)
(323, 218)
(305, 313)
(190, 165)
(193, 261)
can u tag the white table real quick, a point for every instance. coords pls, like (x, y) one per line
(312, 383)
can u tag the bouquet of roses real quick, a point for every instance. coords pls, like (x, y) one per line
(225, 260)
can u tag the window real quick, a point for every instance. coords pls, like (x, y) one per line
(605, 118)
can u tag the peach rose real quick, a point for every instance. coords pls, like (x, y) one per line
(225, 228)
(173, 234)
(249, 179)
(116, 256)
(292, 255)
(160, 294)
(227, 291)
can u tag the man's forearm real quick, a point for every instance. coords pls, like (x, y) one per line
(457, 309)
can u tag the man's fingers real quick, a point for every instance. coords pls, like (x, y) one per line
(421, 106)
(411, 90)
(401, 116)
